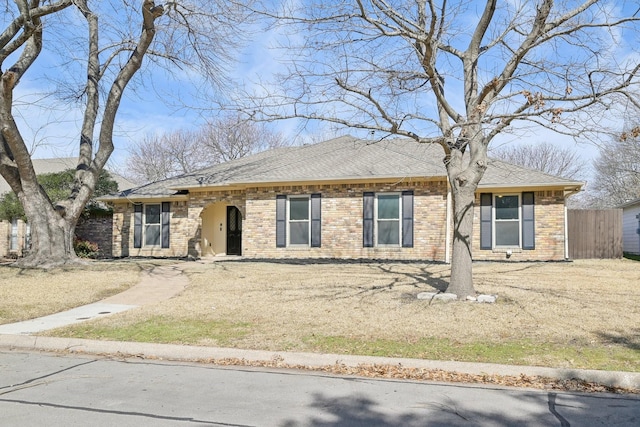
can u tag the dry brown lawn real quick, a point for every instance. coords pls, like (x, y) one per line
(584, 305)
(30, 293)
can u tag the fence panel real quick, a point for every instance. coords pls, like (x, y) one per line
(595, 233)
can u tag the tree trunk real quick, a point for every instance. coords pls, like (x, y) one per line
(52, 234)
(466, 162)
(461, 282)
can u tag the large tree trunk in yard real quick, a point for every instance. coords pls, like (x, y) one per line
(461, 282)
(51, 233)
(466, 162)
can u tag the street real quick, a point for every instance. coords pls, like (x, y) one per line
(70, 390)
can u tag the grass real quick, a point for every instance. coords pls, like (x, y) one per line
(30, 293)
(632, 256)
(515, 352)
(584, 314)
(161, 329)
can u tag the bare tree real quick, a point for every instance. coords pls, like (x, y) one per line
(617, 171)
(157, 157)
(453, 73)
(230, 138)
(227, 138)
(116, 37)
(545, 157)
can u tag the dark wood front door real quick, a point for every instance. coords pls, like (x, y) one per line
(234, 231)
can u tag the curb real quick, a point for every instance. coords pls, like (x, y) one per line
(628, 380)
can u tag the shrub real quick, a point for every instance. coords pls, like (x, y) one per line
(86, 249)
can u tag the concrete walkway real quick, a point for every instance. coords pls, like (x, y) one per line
(158, 284)
(164, 282)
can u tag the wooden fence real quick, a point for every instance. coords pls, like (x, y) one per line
(595, 233)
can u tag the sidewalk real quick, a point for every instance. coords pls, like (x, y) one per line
(167, 281)
(159, 284)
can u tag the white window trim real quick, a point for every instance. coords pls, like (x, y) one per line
(144, 226)
(375, 221)
(308, 221)
(494, 221)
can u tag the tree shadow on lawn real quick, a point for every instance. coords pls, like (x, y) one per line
(425, 277)
(630, 340)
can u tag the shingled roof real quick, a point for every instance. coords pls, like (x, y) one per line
(338, 160)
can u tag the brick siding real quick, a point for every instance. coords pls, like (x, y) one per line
(342, 229)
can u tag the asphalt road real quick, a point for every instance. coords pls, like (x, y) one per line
(44, 389)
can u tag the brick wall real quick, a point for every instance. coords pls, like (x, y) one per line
(342, 207)
(97, 229)
(5, 239)
(5, 235)
(549, 232)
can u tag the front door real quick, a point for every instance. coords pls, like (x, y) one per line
(234, 231)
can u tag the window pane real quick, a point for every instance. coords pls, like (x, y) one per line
(152, 235)
(507, 207)
(299, 233)
(388, 232)
(508, 233)
(388, 207)
(299, 208)
(152, 214)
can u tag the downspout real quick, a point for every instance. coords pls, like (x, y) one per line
(447, 239)
(566, 234)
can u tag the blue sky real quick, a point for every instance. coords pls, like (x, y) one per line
(52, 128)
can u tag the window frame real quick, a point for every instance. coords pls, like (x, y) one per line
(146, 225)
(298, 221)
(495, 221)
(376, 220)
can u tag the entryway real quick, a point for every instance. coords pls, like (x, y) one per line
(221, 230)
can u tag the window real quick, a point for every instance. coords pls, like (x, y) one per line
(388, 219)
(507, 221)
(151, 225)
(298, 221)
(13, 244)
(299, 228)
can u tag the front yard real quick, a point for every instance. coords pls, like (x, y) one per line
(583, 314)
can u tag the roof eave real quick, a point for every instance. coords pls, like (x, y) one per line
(325, 181)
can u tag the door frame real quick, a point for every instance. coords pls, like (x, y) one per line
(234, 234)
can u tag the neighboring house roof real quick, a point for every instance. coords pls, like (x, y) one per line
(338, 160)
(630, 204)
(60, 164)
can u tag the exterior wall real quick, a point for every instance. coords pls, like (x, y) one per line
(5, 239)
(186, 225)
(630, 226)
(549, 231)
(5, 236)
(198, 225)
(181, 231)
(342, 225)
(208, 214)
(97, 229)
